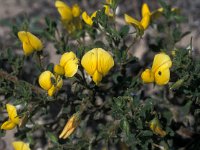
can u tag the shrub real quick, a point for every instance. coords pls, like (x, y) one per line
(99, 95)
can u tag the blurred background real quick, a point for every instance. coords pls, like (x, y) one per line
(11, 11)
(14, 11)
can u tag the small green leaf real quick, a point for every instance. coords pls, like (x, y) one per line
(125, 126)
(124, 31)
(146, 133)
(50, 67)
(52, 137)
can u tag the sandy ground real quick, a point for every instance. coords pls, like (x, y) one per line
(11, 9)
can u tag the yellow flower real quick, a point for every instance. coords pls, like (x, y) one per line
(147, 76)
(70, 126)
(59, 70)
(108, 11)
(88, 19)
(70, 16)
(13, 120)
(19, 145)
(64, 11)
(160, 73)
(97, 63)
(76, 11)
(155, 126)
(145, 21)
(50, 83)
(30, 42)
(68, 65)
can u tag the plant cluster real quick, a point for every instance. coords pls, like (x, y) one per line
(99, 95)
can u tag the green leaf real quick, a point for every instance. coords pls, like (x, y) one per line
(124, 31)
(52, 137)
(125, 126)
(50, 67)
(146, 133)
(185, 109)
(163, 4)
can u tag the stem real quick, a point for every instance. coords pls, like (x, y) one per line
(6, 76)
(39, 61)
(133, 42)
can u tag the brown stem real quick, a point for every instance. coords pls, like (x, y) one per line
(15, 80)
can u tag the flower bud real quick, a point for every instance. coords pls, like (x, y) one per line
(49, 82)
(70, 126)
(155, 126)
(30, 42)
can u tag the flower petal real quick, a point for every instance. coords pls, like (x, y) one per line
(97, 77)
(133, 22)
(108, 11)
(27, 48)
(22, 35)
(12, 113)
(64, 10)
(19, 145)
(87, 19)
(52, 91)
(71, 67)
(59, 70)
(89, 61)
(105, 61)
(30, 42)
(34, 42)
(66, 57)
(161, 59)
(162, 75)
(59, 83)
(145, 21)
(94, 14)
(147, 76)
(8, 125)
(146, 16)
(68, 133)
(76, 11)
(45, 80)
(70, 126)
(145, 10)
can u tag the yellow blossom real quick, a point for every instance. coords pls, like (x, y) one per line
(155, 126)
(144, 22)
(13, 120)
(160, 73)
(68, 65)
(147, 76)
(59, 70)
(30, 42)
(64, 10)
(70, 16)
(97, 63)
(76, 11)
(70, 126)
(88, 19)
(49, 82)
(108, 11)
(19, 145)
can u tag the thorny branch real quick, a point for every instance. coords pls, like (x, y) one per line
(14, 79)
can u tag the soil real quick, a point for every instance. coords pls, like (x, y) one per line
(11, 11)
